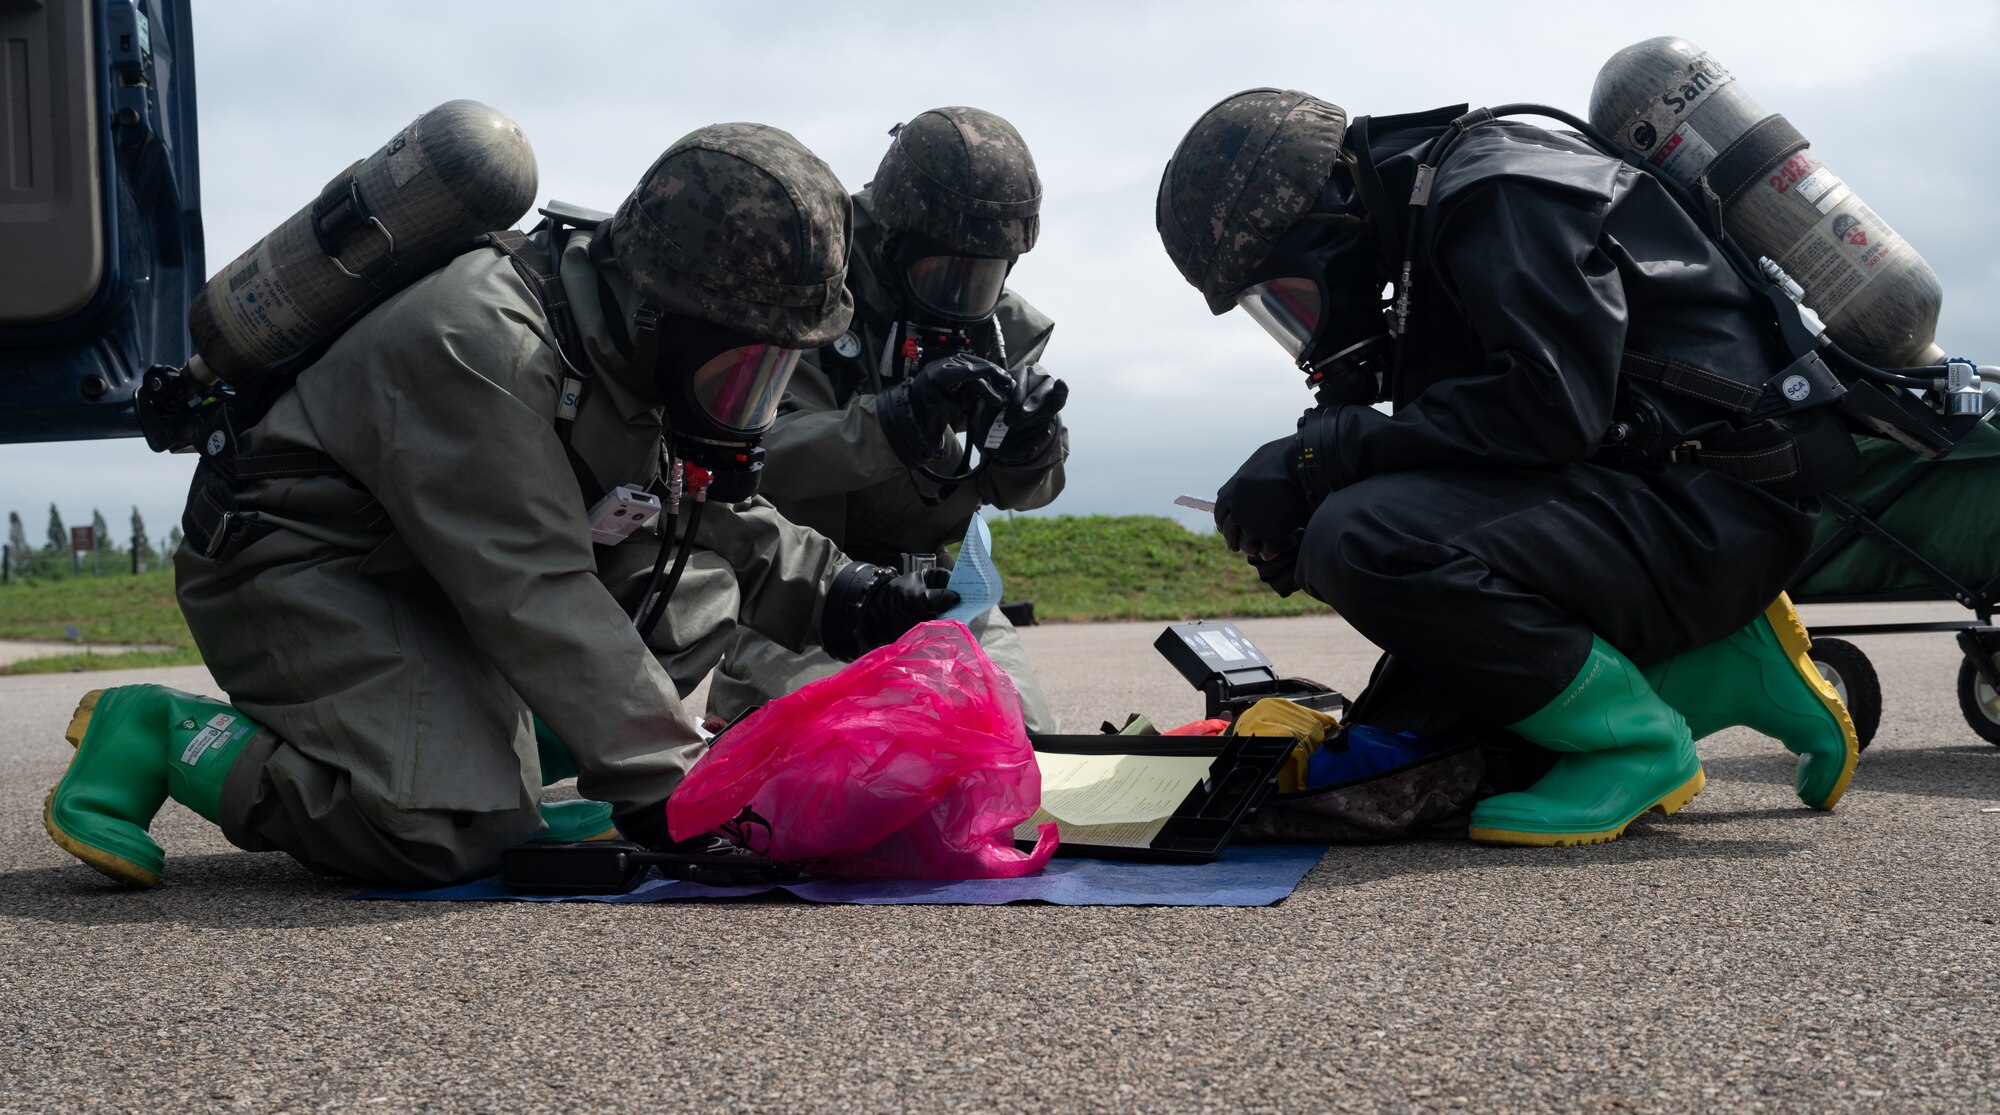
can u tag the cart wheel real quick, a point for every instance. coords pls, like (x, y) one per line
(1978, 701)
(1848, 670)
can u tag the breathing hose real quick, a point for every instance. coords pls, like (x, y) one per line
(659, 566)
(659, 608)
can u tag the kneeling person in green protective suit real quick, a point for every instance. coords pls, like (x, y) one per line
(1555, 527)
(865, 448)
(403, 600)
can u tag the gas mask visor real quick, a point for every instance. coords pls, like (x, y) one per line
(1289, 309)
(737, 390)
(956, 288)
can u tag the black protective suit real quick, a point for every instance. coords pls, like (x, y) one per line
(1477, 534)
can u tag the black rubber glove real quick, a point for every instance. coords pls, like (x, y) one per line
(1279, 573)
(916, 412)
(1026, 429)
(1262, 510)
(1318, 465)
(899, 603)
(869, 606)
(711, 858)
(647, 826)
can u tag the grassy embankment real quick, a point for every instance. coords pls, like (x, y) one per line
(1075, 568)
(123, 610)
(1095, 567)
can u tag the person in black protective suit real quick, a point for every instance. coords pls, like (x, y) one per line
(1599, 465)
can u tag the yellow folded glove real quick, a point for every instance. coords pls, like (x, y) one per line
(1275, 716)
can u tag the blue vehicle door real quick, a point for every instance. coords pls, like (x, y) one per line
(100, 214)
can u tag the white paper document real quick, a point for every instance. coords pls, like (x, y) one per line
(1118, 801)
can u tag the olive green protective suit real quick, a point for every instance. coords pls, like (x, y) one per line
(829, 466)
(394, 631)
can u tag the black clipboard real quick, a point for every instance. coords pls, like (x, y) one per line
(1243, 772)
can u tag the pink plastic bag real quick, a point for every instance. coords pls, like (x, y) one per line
(912, 763)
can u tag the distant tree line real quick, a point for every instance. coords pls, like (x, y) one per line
(134, 552)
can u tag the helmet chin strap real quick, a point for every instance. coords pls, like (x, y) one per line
(646, 342)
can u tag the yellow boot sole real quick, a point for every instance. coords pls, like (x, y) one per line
(117, 867)
(1797, 645)
(79, 723)
(1666, 807)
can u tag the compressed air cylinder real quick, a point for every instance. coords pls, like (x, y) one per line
(1668, 103)
(459, 170)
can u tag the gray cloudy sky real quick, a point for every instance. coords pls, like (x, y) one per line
(1165, 398)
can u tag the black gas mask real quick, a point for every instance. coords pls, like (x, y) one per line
(941, 286)
(948, 309)
(1319, 294)
(720, 390)
(948, 303)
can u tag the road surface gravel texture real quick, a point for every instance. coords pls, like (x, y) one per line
(1746, 954)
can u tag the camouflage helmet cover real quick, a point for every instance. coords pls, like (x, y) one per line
(740, 225)
(1247, 171)
(963, 178)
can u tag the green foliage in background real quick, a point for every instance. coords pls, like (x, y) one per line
(1074, 567)
(112, 609)
(1103, 567)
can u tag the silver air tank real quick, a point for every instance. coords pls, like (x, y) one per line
(1668, 103)
(459, 170)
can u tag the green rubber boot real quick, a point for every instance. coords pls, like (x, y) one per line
(1626, 751)
(557, 763)
(1762, 678)
(136, 746)
(567, 822)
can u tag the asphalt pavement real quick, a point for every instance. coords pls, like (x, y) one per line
(1746, 954)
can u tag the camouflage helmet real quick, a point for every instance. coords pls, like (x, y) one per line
(962, 178)
(1247, 171)
(740, 225)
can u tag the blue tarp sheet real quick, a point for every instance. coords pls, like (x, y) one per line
(1247, 875)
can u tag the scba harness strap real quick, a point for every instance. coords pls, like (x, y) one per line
(1772, 444)
(1775, 435)
(1803, 384)
(1761, 147)
(546, 286)
(219, 528)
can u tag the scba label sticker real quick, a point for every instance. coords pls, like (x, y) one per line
(1854, 233)
(1684, 91)
(1685, 154)
(405, 159)
(1822, 189)
(1796, 388)
(269, 324)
